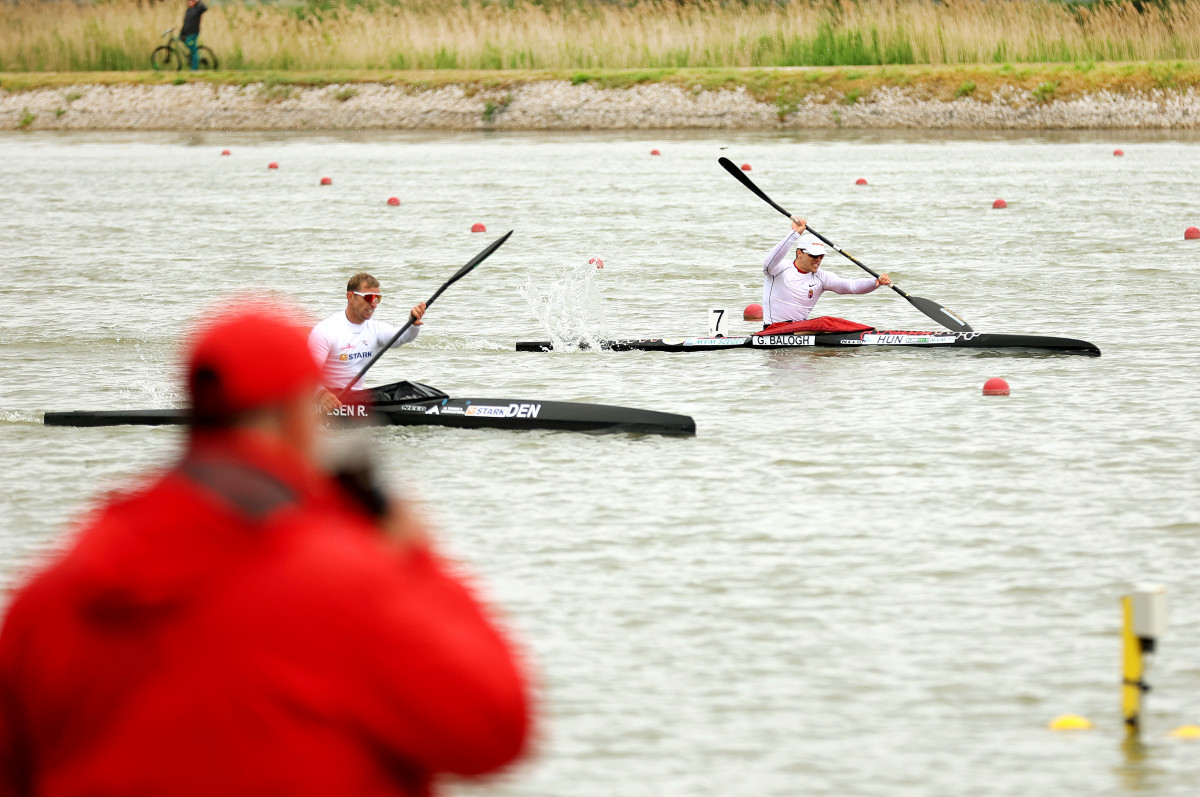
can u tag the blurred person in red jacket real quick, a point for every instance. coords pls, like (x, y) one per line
(243, 626)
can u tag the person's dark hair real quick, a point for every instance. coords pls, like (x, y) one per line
(361, 280)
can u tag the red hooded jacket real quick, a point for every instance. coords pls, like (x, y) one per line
(238, 628)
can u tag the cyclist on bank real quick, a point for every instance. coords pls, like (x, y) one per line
(191, 29)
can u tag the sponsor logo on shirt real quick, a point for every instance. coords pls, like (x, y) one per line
(783, 340)
(511, 411)
(354, 355)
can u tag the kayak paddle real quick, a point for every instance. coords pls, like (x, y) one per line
(462, 272)
(947, 318)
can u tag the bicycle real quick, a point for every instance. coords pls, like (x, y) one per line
(174, 54)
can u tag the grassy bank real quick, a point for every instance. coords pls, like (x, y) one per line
(783, 87)
(583, 35)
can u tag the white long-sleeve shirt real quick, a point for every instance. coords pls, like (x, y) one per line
(789, 295)
(341, 348)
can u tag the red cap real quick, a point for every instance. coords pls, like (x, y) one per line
(247, 359)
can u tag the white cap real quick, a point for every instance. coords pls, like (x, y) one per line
(810, 244)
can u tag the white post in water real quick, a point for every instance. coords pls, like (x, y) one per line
(718, 323)
(1145, 620)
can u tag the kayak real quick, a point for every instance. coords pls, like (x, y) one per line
(415, 404)
(935, 339)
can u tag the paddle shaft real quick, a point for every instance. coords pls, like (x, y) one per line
(926, 306)
(462, 272)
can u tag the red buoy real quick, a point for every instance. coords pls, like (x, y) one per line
(999, 203)
(272, 165)
(745, 167)
(1118, 153)
(753, 312)
(597, 262)
(477, 227)
(393, 200)
(226, 152)
(861, 181)
(655, 152)
(326, 181)
(1191, 233)
(995, 387)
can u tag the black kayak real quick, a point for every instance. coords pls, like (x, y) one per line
(415, 404)
(935, 339)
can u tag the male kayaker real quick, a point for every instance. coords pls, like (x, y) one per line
(191, 30)
(243, 624)
(344, 342)
(791, 289)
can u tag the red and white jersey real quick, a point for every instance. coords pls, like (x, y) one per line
(341, 348)
(789, 295)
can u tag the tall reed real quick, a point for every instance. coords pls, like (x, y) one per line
(516, 34)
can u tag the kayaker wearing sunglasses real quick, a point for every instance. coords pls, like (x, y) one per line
(343, 342)
(791, 289)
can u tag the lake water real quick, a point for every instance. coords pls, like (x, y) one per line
(861, 577)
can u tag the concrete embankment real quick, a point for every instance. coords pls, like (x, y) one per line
(562, 105)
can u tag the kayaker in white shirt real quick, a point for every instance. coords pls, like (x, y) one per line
(343, 342)
(792, 286)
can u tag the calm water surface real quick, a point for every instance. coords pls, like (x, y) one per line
(862, 577)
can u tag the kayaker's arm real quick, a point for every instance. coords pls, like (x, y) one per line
(778, 261)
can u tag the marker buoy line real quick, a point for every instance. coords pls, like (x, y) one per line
(326, 181)
(999, 203)
(272, 165)
(1191, 233)
(226, 152)
(753, 312)
(861, 181)
(1118, 153)
(393, 200)
(655, 152)
(995, 387)
(1186, 732)
(478, 227)
(597, 262)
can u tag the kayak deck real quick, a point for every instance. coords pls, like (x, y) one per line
(939, 339)
(414, 404)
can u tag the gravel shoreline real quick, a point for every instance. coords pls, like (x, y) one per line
(559, 105)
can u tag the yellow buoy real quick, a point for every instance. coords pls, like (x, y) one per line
(1187, 732)
(1070, 722)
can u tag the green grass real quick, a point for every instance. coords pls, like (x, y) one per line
(786, 89)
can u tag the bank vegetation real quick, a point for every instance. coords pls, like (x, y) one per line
(119, 35)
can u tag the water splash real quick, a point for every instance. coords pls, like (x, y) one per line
(569, 306)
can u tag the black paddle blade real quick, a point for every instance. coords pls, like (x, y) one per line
(947, 318)
(741, 177)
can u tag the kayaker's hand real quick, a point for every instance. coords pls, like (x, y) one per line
(884, 279)
(417, 313)
(798, 224)
(327, 402)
